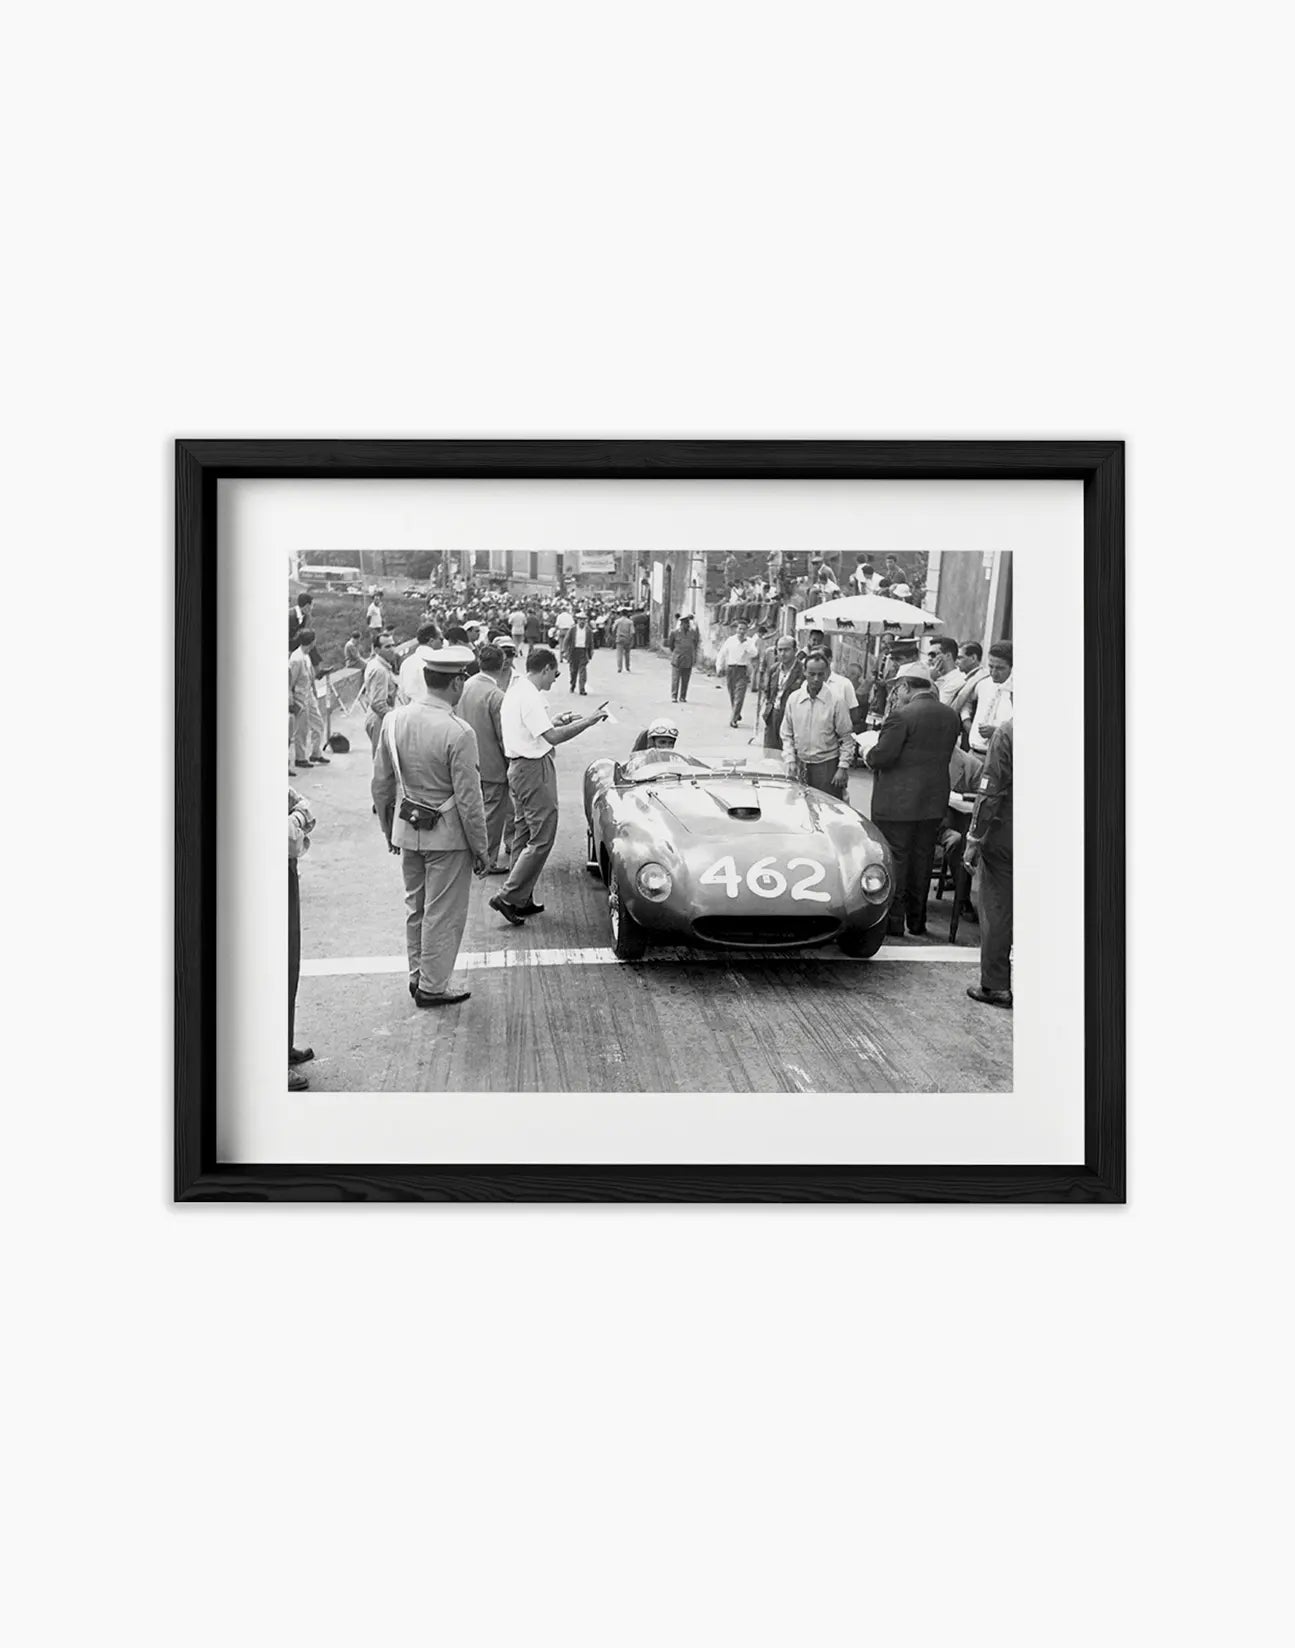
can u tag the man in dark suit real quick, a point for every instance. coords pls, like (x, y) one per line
(784, 674)
(911, 793)
(300, 616)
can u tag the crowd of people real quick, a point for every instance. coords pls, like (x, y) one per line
(892, 578)
(932, 721)
(464, 782)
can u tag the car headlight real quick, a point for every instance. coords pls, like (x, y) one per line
(653, 881)
(876, 883)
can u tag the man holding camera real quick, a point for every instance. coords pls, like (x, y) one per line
(427, 793)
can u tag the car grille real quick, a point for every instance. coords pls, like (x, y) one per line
(774, 931)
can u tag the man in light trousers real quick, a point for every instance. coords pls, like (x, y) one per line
(427, 760)
(530, 733)
(308, 722)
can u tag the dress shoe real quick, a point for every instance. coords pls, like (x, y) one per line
(991, 998)
(447, 998)
(509, 912)
(301, 1055)
(531, 909)
(296, 1081)
(918, 932)
(321, 760)
(292, 772)
(498, 869)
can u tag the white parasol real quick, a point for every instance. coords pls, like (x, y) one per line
(868, 615)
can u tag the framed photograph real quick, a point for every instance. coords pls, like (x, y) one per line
(654, 826)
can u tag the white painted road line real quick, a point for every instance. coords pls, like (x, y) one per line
(484, 960)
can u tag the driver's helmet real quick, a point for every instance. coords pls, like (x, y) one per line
(661, 734)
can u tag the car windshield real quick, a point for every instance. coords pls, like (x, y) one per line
(649, 766)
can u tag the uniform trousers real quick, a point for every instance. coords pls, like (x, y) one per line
(912, 846)
(995, 920)
(738, 676)
(579, 661)
(294, 947)
(534, 787)
(623, 656)
(499, 817)
(680, 675)
(308, 730)
(373, 726)
(436, 906)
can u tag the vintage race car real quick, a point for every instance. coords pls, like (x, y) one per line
(726, 851)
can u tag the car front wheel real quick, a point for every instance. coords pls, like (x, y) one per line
(629, 941)
(864, 943)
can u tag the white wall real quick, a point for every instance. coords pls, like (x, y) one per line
(612, 1426)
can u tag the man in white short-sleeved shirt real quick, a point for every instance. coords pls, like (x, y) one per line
(529, 734)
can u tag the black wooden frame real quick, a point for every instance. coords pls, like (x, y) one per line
(200, 464)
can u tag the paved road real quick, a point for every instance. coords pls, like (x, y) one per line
(551, 1009)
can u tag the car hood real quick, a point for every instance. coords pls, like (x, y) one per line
(702, 807)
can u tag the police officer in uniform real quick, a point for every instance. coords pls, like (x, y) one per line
(426, 763)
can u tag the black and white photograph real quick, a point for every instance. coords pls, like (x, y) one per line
(654, 820)
(645, 821)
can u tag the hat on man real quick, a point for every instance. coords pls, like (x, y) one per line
(446, 660)
(505, 643)
(918, 674)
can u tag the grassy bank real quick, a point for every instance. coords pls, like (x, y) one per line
(335, 616)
